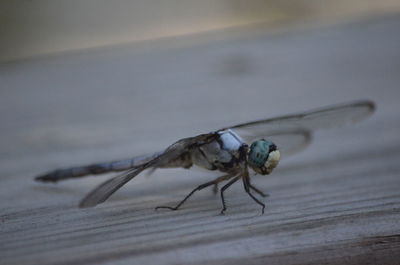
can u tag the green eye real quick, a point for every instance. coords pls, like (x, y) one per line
(259, 153)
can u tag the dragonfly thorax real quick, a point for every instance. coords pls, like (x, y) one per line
(263, 156)
(223, 154)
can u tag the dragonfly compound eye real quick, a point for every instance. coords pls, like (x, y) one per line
(263, 156)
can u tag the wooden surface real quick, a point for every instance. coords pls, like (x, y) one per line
(335, 203)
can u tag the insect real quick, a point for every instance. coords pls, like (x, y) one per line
(237, 151)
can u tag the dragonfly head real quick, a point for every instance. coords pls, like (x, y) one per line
(263, 156)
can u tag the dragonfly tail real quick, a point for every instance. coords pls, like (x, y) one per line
(94, 169)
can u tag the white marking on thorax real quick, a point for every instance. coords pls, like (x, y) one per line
(231, 141)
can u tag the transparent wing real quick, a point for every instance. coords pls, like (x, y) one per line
(295, 130)
(290, 142)
(106, 189)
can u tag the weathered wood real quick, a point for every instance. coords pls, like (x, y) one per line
(338, 202)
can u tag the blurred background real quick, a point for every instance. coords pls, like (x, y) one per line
(30, 28)
(85, 81)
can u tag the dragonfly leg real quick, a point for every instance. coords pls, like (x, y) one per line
(200, 187)
(222, 193)
(246, 184)
(261, 193)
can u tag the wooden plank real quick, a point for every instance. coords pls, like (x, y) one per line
(336, 203)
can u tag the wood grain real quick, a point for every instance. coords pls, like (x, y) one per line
(336, 203)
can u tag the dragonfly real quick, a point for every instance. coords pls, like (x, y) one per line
(238, 152)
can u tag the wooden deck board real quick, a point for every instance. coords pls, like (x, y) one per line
(337, 202)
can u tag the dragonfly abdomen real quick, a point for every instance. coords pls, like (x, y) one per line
(94, 169)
